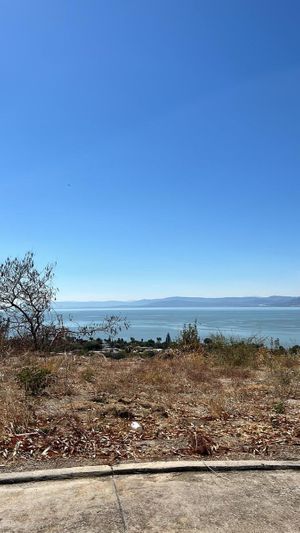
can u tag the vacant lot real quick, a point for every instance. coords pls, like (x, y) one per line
(67, 409)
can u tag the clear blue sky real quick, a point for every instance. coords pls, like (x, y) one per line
(152, 147)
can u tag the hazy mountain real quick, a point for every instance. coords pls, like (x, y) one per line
(73, 304)
(183, 301)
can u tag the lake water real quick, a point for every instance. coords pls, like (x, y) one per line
(276, 322)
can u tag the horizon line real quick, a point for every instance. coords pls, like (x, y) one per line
(174, 297)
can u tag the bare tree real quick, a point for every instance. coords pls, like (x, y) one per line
(56, 334)
(25, 296)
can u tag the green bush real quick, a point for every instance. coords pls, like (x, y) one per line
(34, 379)
(279, 407)
(147, 353)
(118, 355)
(93, 345)
(233, 351)
(295, 350)
(188, 339)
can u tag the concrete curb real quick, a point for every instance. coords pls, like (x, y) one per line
(202, 466)
(55, 474)
(145, 468)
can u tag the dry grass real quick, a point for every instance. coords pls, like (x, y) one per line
(186, 406)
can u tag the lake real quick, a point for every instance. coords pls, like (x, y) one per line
(146, 323)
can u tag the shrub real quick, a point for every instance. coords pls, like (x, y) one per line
(233, 351)
(295, 350)
(34, 379)
(196, 369)
(88, 375)
(147, 353)
(279, 407)
(118, 355)
(286, 382)
(188, 339)
(93, 345)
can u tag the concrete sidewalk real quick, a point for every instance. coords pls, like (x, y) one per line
(232, 501)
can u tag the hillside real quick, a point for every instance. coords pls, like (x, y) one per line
(182, 301)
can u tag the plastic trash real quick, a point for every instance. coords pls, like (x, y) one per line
(136, 425)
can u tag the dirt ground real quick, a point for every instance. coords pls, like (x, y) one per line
(94, 410)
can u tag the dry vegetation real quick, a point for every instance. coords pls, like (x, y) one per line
(80, 408)
(222, 397)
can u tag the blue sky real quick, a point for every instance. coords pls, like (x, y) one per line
(152, 148)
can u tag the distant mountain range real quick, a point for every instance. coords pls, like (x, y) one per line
(183, 301)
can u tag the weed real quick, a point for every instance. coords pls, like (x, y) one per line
(197, 370)
(88, 375)
(225, 401)
(34, 379)
(16, 411)
(279, 407)
(233, 351)
(201, 444)
(286, 382)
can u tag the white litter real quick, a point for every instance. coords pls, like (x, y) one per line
(136, 425)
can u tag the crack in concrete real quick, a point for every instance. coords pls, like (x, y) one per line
(119, 504)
